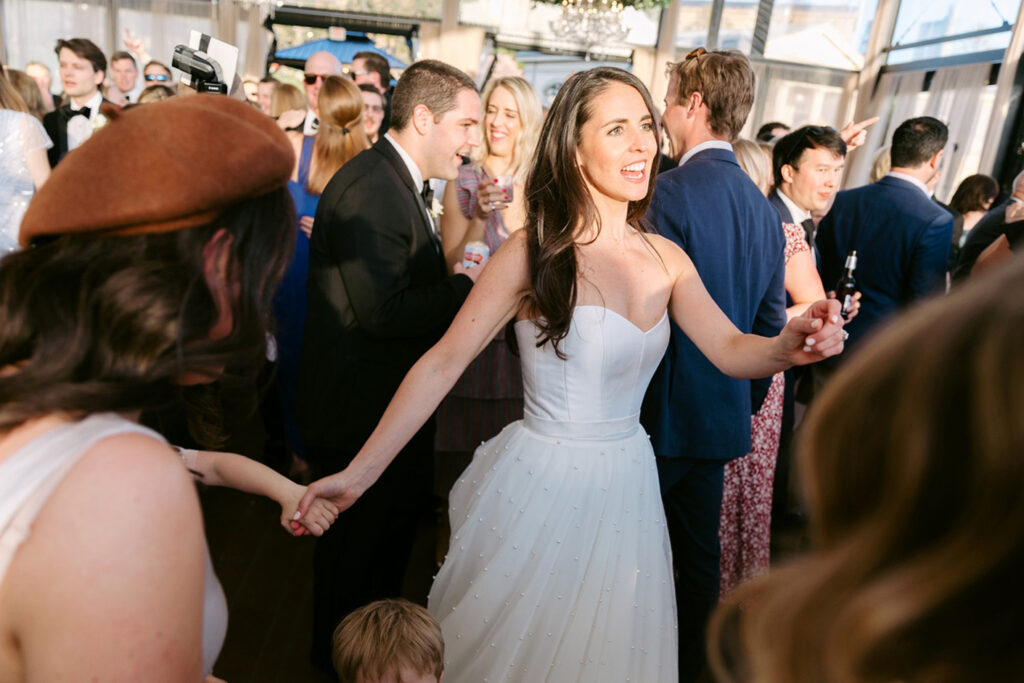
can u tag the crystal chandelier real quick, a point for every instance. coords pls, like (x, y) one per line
(591, 22)
(264, 7)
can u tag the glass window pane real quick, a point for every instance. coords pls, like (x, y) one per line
(421, 9)
(926, 19)
(736, 32)
(966, 46)
(831, 33)
(692, 29)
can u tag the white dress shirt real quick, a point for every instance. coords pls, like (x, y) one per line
(710, 144)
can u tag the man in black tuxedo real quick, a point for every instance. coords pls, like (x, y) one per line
(82, 70)
(379, 296)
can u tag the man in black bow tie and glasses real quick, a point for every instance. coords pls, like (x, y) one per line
(82, 70)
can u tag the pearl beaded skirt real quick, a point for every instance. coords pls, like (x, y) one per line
(559, 567)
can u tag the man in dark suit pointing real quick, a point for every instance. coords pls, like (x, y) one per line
(379, 297)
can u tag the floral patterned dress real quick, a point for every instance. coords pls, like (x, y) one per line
(745, 526)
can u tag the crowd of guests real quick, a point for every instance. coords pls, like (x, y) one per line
(313, 223)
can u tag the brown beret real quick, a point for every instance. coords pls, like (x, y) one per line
(160, 167)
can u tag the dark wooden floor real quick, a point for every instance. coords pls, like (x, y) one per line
(267, 578)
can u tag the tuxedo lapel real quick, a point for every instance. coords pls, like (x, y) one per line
(385, 147)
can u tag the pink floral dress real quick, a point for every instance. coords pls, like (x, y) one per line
(745, 526)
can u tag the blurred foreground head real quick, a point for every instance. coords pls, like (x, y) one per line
(913, 468)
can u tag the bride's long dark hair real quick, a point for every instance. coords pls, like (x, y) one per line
(558, 202)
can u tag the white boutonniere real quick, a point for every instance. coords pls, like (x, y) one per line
(99, 122)
(436, 208)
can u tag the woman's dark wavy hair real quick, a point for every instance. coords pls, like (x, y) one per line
(558, 202)
(92, 323)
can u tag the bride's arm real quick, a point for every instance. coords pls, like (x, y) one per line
(493, 301)
(807, 338)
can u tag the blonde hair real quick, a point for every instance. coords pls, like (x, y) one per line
(385, 637)
(29, 91)
(9, 97)
(754, 163)
(286, 97)
(881, 164)
(531, 117)
(341, 134)
(913, 466)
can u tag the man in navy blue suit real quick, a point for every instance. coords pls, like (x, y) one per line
(807, 165)
(902, 238)
(698, 417)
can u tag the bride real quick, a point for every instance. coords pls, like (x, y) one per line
(559, 566)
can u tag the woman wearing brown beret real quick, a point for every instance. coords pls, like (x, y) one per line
(128, 297)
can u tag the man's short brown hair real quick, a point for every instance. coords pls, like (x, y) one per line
(377, 63)
(431, 83)
(84, 49)
(384, 638)
(726, 82)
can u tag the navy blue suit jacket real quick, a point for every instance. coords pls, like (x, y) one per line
(902, 240)
(733, 235)
(775, 200)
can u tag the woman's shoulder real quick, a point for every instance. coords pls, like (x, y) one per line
(124, 519)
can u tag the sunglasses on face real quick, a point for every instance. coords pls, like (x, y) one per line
(697, 54)
(354, 74)
(157, 77)
(310, 79)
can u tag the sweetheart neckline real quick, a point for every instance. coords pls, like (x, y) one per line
(618, 315)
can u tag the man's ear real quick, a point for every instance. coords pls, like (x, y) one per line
(422, 119)
(787, 173)
(936, 160)
(694, 101)
(98, 77)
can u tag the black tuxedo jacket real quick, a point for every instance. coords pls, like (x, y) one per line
(56, 126)
(379, 296)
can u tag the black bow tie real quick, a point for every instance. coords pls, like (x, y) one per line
(315, 125)
(68, 112)
(427, 193)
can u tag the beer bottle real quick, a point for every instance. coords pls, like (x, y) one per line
(847, 285)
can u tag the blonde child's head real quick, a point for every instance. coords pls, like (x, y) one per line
(389, 641)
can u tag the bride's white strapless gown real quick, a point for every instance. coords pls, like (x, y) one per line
(559, 567)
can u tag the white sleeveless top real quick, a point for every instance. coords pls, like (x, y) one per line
(29, 476)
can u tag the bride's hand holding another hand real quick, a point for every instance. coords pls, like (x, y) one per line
(817, 333)
(339, 489)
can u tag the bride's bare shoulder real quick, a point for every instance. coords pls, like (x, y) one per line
(670, 253)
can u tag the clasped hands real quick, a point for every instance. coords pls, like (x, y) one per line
(815, 334)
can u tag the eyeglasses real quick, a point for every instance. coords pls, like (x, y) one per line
(354, 74)
(697, 54)
(310, 79)
(157, 77)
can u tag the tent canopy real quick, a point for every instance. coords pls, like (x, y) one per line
(344, 50)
